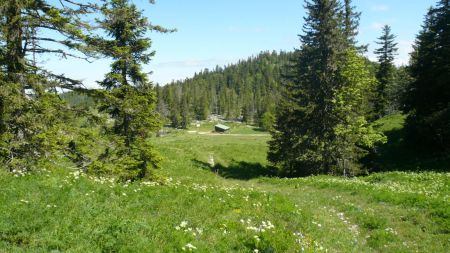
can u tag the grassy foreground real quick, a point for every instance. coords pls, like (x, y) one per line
(228, 207)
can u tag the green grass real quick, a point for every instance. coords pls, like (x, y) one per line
(228, 207)
(235, 128)
(399, 155)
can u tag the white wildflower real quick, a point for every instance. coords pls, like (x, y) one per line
(189, 247)
(183, 224)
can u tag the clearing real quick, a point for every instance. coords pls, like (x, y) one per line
(232, 206)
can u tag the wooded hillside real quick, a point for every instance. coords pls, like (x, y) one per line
(245, 91)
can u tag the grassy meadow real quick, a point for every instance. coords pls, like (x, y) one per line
(216, 195)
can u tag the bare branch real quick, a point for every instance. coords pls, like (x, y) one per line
(60, 52)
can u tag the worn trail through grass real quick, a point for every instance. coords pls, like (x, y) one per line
(380, 212)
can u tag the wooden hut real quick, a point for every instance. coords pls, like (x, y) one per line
(221, 128)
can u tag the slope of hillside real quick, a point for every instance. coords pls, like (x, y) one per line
(245, 90)
(398, 154)
(218, 196)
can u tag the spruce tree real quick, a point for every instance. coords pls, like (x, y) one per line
(397, 91)
(351, 22)
(130, 98)
(351, 19)
(31, 115)
(267, 121)
(185, 113)
(321, 127)
(305, 122)
(386, 71)
(428, 97)
(27, 28)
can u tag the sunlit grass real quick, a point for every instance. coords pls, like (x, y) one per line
(228, 207)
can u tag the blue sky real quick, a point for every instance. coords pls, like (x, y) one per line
(219, 32)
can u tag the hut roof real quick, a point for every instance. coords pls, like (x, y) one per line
(222, 127)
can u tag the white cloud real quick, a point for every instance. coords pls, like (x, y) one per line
(405, 47)
(377, 25)
(402, 57)
(194, 63)
(234, 29)
(238, 29)
(379, 7)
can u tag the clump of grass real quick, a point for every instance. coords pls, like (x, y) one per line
(380, 239)
(371, 221)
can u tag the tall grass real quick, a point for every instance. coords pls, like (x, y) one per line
(228, 205)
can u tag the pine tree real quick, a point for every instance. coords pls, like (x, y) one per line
(185, 113)
(321, 127)
(162, 107)
(351, 22)
(305, 122)
(428, 97)
(386, 71)
(130, 98)
(397, 91)
(31, 115)
(267, 121)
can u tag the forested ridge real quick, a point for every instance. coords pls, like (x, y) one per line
(249, 91)
(243, 91)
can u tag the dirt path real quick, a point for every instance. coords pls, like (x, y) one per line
(219, 134)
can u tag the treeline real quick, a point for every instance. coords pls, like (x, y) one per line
(250, 90)
(246, 91)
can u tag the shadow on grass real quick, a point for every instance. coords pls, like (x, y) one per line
(259, 129)
(239, 170)
(399, 155)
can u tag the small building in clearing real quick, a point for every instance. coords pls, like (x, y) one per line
(221, 128)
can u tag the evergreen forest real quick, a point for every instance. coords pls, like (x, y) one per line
(318, 149)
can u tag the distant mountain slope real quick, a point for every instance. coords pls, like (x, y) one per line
(245, 90)
(75, 99)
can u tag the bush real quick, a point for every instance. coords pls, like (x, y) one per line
(127, 164)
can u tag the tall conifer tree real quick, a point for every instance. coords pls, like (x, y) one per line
(305, 123)
(351, 22)
(386, 71)
(320, 125)
(428, 97)
(30, 115)
(130, 96)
